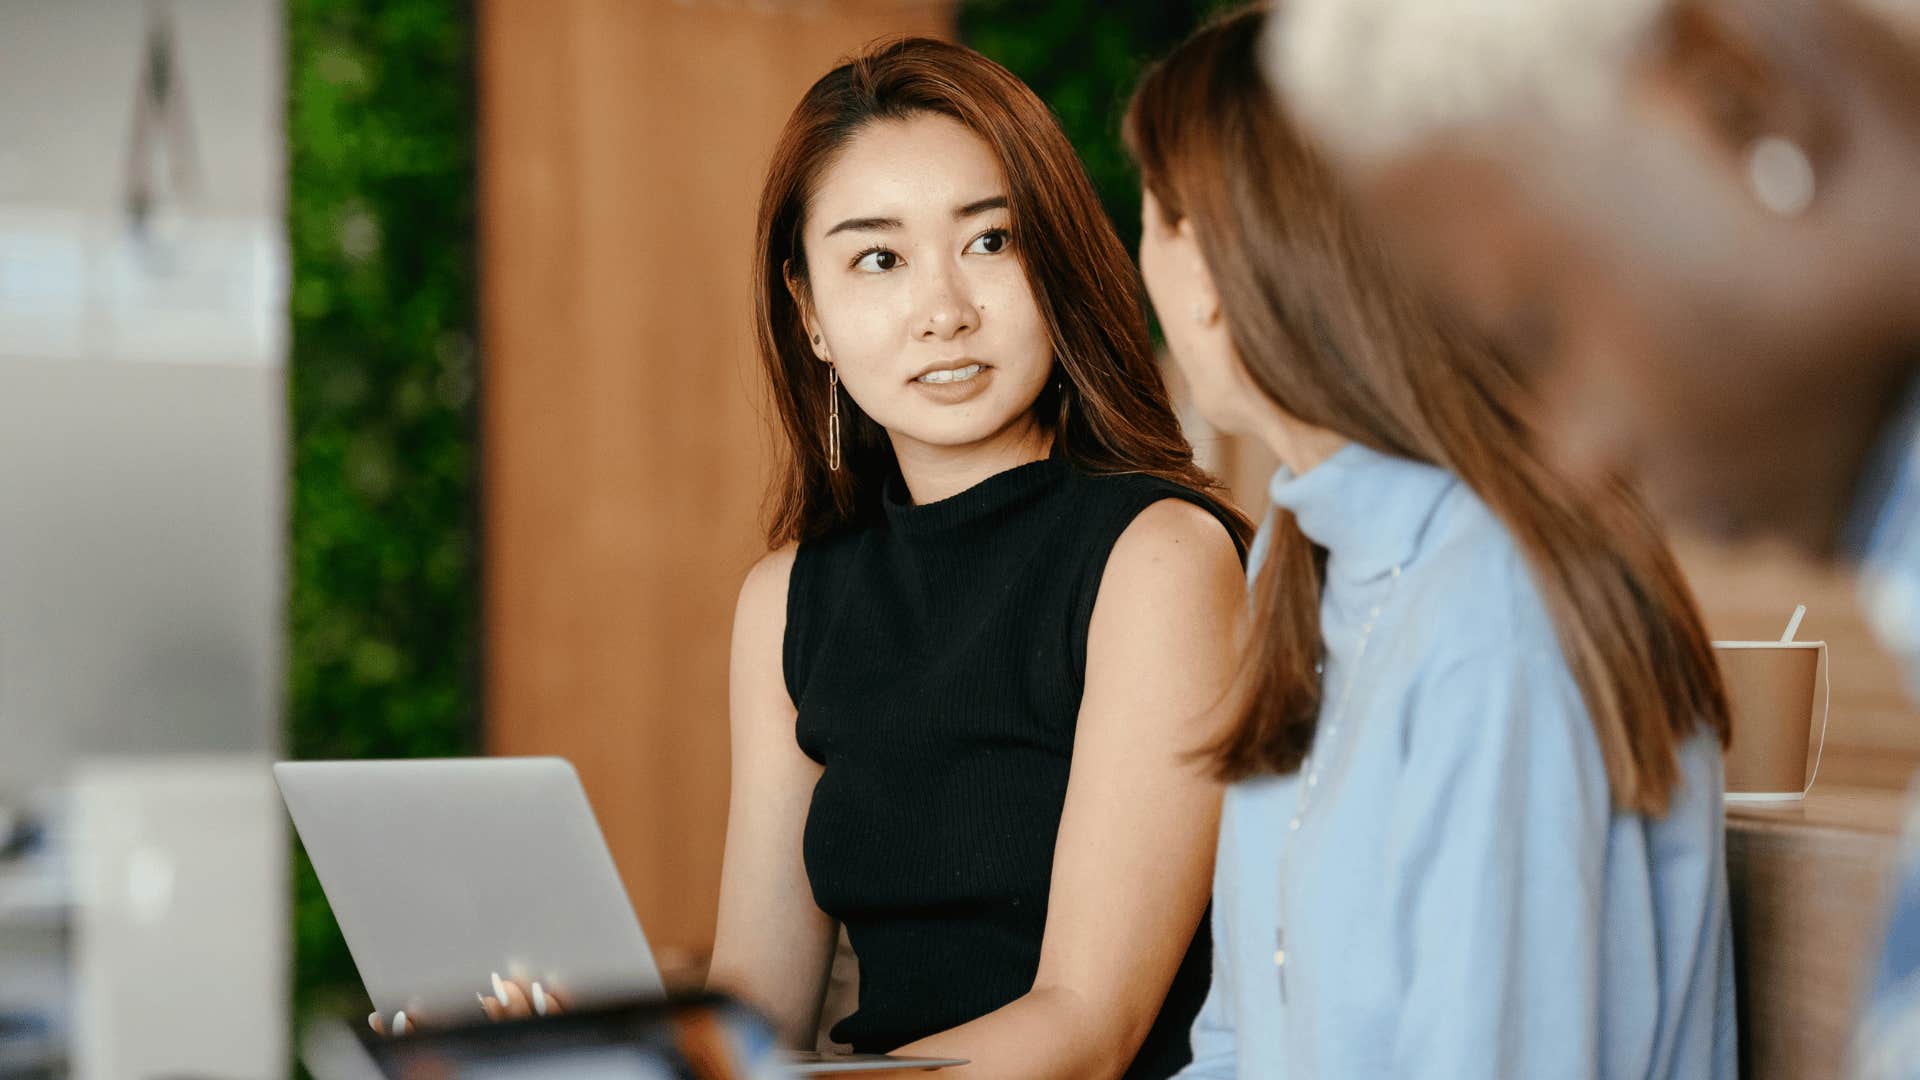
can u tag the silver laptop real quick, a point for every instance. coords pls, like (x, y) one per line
(442, 872)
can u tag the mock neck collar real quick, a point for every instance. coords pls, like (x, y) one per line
(1368, 509)
(982, 502)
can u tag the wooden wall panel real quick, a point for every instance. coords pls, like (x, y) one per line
(622, 146)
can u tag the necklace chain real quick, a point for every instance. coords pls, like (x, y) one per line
(1310, 768)
(1323, 738)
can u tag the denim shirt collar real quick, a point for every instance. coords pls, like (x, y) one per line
(1368, 509)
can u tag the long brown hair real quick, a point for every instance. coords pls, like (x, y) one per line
(1335, 336)
(1107, 406)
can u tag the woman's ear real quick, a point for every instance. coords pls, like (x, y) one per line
(802, 302)
(1205, 310)
(1733, 72)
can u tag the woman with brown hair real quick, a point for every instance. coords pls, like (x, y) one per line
(999, 605)
(1476, 826)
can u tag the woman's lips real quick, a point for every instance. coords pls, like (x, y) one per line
(951, 386)
(940, 376)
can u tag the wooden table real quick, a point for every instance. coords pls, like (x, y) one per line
(1807, 883)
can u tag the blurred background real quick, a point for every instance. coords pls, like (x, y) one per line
(376, 380)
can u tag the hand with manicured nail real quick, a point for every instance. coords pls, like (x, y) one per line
(404, 1023)
(512, 999)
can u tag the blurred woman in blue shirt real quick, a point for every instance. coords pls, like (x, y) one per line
(1475, 829)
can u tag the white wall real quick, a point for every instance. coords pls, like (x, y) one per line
(141, 393)
(142, 522)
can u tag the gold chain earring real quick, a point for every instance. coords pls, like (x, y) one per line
(833, 418)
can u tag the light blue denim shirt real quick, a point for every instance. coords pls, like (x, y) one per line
(1459, 899)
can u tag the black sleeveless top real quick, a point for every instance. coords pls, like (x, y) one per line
(937, 656)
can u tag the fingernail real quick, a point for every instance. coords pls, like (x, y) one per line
(482, 999)
(373, 1019)
(539, 1000)
(499, 989)
(400, 1022)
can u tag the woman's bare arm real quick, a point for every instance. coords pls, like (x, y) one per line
(772, 946)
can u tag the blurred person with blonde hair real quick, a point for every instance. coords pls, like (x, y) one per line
(1694, 220)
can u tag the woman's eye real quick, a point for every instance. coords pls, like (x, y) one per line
(876, 260)
(991, 242)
